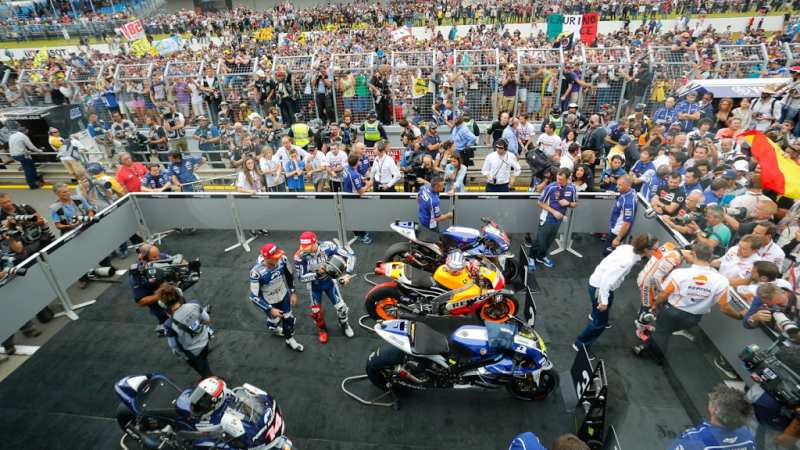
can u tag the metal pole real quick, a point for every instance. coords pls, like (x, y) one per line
(52, 6)
(140, 217)
(63, 296)
(112, 6)
(91, 4)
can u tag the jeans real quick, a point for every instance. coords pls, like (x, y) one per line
(545, 236)
(599, 319)
(668, 321)
(490, 187)
(199, 362)
(31, 176)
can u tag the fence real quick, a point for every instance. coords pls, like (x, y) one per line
(184, 77)
(33, 84)
(299, 72)
(472, 77)
(351, 73)
(671, 69)
(414, 76)
(741, 61)
(792, 52)
(539, 72)
(605, 69)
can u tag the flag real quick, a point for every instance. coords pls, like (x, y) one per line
(564, 40)
(40, 58)
(778, 173)
(142, 47)
(555, 24)
(589, 27)
(401, 33)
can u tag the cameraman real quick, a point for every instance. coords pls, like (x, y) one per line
(771, 306)
(764, 210)
(691, 212)
(145, 289)
(30, 228)
(188, 331)
(66, 213)
(779, 426)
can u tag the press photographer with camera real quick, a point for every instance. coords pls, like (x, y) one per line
(188, 329)
(24, 218)
(12, 252)
(763, 211)
(776, 308)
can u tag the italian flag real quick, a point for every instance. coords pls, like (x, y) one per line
(778, 173)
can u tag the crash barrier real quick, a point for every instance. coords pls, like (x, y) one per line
(741, 61)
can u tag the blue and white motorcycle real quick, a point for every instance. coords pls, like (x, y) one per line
(155, 413)
(427, 250)
(417, 357)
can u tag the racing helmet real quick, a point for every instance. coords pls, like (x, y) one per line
(555, 110)
(308, 239)
(336, 266)
(455, 262)
(208, 396)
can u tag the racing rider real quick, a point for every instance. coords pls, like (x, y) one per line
(272, 290)
(319, 264)
(650, 282)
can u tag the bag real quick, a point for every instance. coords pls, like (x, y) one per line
(537, 161)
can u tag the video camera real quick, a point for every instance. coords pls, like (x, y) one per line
(775, 377)
(697, 216)
(171, 270)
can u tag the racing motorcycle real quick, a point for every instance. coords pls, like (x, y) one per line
(428, 249)
(417, 357)
(415, 293)
(156, 413)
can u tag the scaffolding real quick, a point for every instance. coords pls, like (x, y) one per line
(539, 72)
(351, 75)
(605, 69)
(299, 72)
(414, 77)
(741, 61)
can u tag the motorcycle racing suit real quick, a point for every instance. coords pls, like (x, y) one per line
(312, 268)
(650, 281)
(272, 288)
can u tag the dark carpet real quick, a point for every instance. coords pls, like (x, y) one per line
(63, 397)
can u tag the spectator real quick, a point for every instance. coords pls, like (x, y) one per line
(549, 143)
(156, 180)
(669, 196)
(294, 168)
(688, 112)
(766, 110)
(21, 147)
(729, 414)
(611, 174)
(384, 172)
(130, 173)
(736, 263)
(500, 168)
(181, 169)
(249, 180)
(554, 201)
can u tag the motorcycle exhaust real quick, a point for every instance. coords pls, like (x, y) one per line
(402, 373)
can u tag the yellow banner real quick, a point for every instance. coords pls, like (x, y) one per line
(41, 57)
(142, 47)
(263, 34)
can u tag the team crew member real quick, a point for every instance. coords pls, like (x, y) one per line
(181, 170)
(726, 428)
(556, 198)
(272, 290)
(188, 330)
(372, 130)
(737, 263)
(130, 173)
(688, 294)
(606, 278)
(651, 278)
(500, 168)
(145, 292)
(430, 213)
(622, 214)
(312, 261)
(354, 182)
(300, 132)
(384, 172)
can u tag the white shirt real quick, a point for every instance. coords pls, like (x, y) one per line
(612, 270)
(336, 161)
(549, 144)
(772, 253)
(770, 109)
(497, 170)
(748, 201)
(384, 171)
(567, 161)
(283, 155)
(696, 289)
(752, 288)
(19, 144)
(731, 265)
(267, 165)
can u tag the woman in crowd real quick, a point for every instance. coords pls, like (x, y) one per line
(272, 171)
(743, 113)
(580, 179)
(724, 112)
(249, 178)
(454, 175)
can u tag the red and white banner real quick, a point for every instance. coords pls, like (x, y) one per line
(133, 30)
(401, 33)
(589, 27)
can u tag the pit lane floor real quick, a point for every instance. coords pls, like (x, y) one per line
(63, 396)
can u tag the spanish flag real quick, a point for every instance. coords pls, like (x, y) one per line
(778, 173)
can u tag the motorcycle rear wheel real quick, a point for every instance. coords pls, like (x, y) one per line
(380, 364)
(498, 312)
(381, 303)
(521, 389)
(396, 252)
(511, 270)
(124, 416)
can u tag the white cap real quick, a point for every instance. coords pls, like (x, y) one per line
(741, 165)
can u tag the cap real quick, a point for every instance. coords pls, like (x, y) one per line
(624, 139)
(307, 240)
(94, 168)
(768, 89)
(730, 174)
(271, 251)
(741, 165)
(572, 105)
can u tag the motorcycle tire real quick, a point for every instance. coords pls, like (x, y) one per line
(548, 381)
(124, 416)
(382, 361)
(396, 252)
(511, 270)
(498, 313)
(380, 302)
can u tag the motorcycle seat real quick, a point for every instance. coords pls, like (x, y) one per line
(419, 278)
(427, 341)
(159, 400)
(427, 235)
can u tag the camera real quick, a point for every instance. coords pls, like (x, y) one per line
(106, 185)
(737, 213)
(171, 270)
(777, 379)
(781, 322)
(23, 218)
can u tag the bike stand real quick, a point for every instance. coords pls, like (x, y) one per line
(366, 278)
(395, 402)
(361, 323)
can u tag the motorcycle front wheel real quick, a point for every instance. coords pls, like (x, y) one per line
(511, 270)
(380, 364)
(524, 389)
(500, 312)
(381, 303)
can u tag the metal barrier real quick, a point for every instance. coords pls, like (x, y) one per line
(539, 72)
(603, 68)
(351, 73)
(33, 84)
(179, 76)
(472, 76)
(414, 76)
(741, 61)
(299, 70)
(792, 52)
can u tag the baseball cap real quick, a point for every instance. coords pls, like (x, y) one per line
(741, 165)
(271, 251)
(307, 240)
(730, 174)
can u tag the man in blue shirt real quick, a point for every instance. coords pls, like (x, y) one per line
(462, 136)
(667, 113)
(556, 198)
(352, 181)
(510, 135)
(688, 112)
(208, 138)
(66, 210)
(726, 427)
(643, 170)
(181, 171)
(622, 214)
(430, 213)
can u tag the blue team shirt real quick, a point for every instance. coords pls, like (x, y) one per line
(429, 209)
(363, 165)
(639, 168)
(667, 115)
(687, 108)
(155, 182)
(554, 192)
(184, 171)
(614, 174)
(69, 211)
(710, 198)
(624, 211)
(692, 187)
(352, 181)
(709, 436)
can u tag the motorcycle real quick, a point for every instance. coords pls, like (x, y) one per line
(415, 293)
(150, 414)
(418, 357)
(428, 249)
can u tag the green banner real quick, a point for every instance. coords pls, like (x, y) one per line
(555, 25)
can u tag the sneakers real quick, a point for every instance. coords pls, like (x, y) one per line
(531, 264)
(31, 332)
(277, 331)
(161, 331)
(348, 331)
(640, 351)
(294, 345)
(726, 369)
(545, 261)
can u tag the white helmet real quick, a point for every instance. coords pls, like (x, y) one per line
(455, 261)
(207, 396)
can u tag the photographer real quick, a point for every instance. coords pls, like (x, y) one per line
(66, 213)
(145, 288)
(715, 233)
(691, 212)
(763, 211)
(188, 331)
(778, 424)
(35, 233)
(775, 307)
(13, 252)
(726, 427)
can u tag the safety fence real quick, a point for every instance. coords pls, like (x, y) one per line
(351, 73)
(540, 76)
(741, 61)
(672, 67)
